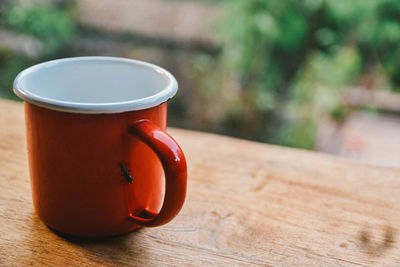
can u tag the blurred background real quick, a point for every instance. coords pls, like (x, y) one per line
(312, 74)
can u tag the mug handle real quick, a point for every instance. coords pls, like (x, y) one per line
(174, 165)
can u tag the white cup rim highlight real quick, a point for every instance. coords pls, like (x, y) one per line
(95, 85)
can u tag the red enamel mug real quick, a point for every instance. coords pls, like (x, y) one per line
(100, 161)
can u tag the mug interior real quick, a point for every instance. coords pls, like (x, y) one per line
(95, 85)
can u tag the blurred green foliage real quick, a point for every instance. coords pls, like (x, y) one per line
(316, 91)
(293, 58)
(10, 66)
(52, 26)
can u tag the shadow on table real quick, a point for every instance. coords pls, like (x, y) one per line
(87, 240)
(126, 249)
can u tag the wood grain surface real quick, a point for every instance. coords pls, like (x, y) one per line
(247, 204)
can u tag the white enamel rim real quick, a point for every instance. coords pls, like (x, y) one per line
(93, 108)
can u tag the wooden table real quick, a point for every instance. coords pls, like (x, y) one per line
(247, 204)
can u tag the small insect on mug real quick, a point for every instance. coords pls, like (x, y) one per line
(100, 161)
